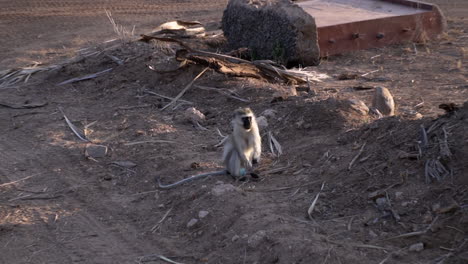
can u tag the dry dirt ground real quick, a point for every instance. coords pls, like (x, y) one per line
(57, 206)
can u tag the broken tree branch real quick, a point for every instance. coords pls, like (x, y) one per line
(234, 66)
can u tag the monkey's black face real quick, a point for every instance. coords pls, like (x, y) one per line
(247, 122)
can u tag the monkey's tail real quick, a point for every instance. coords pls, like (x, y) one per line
(189, 179)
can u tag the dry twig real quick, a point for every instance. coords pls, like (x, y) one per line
(85, 77)
(14, 182)
(185, 89)
(356, 157)
(73, 128)
(314, 202)
(158, 225)
(151, 257)
(416, 233)
(148, 141)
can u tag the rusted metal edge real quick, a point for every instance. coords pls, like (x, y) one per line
(382, 32)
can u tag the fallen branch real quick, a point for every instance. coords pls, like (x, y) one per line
(86, 77)
(239, 67)
(184, 90)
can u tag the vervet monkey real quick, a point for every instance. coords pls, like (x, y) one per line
(241, 149)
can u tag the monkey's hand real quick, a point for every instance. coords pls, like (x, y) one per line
(247, 163)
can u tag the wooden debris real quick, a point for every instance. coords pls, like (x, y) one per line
(86, 77)
(241, 68)
(11, 77)
(180, 28)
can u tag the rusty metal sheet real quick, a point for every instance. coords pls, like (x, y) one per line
(346, 25)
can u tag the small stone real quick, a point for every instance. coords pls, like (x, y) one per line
(203, 214)
(435, 207)
(418, 247)
(235, 238)
(358, 106)
(107, 177)
(382, 201)
(372, 234)
(221, 189)
(383, 101)
(192, 223)
(262, 122)
(376, 194)
(427, 218)
(255, 240)
(193, 115)
(411, 114)
(95, 151)
(398, 196)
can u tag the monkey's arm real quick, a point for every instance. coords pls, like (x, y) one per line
(257, 151)
(189, 179)
(241, 147)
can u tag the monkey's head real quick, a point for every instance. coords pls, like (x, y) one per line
(244, 117)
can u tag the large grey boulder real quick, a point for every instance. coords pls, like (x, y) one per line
(272, 29)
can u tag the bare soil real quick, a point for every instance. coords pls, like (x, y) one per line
(66, 208)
